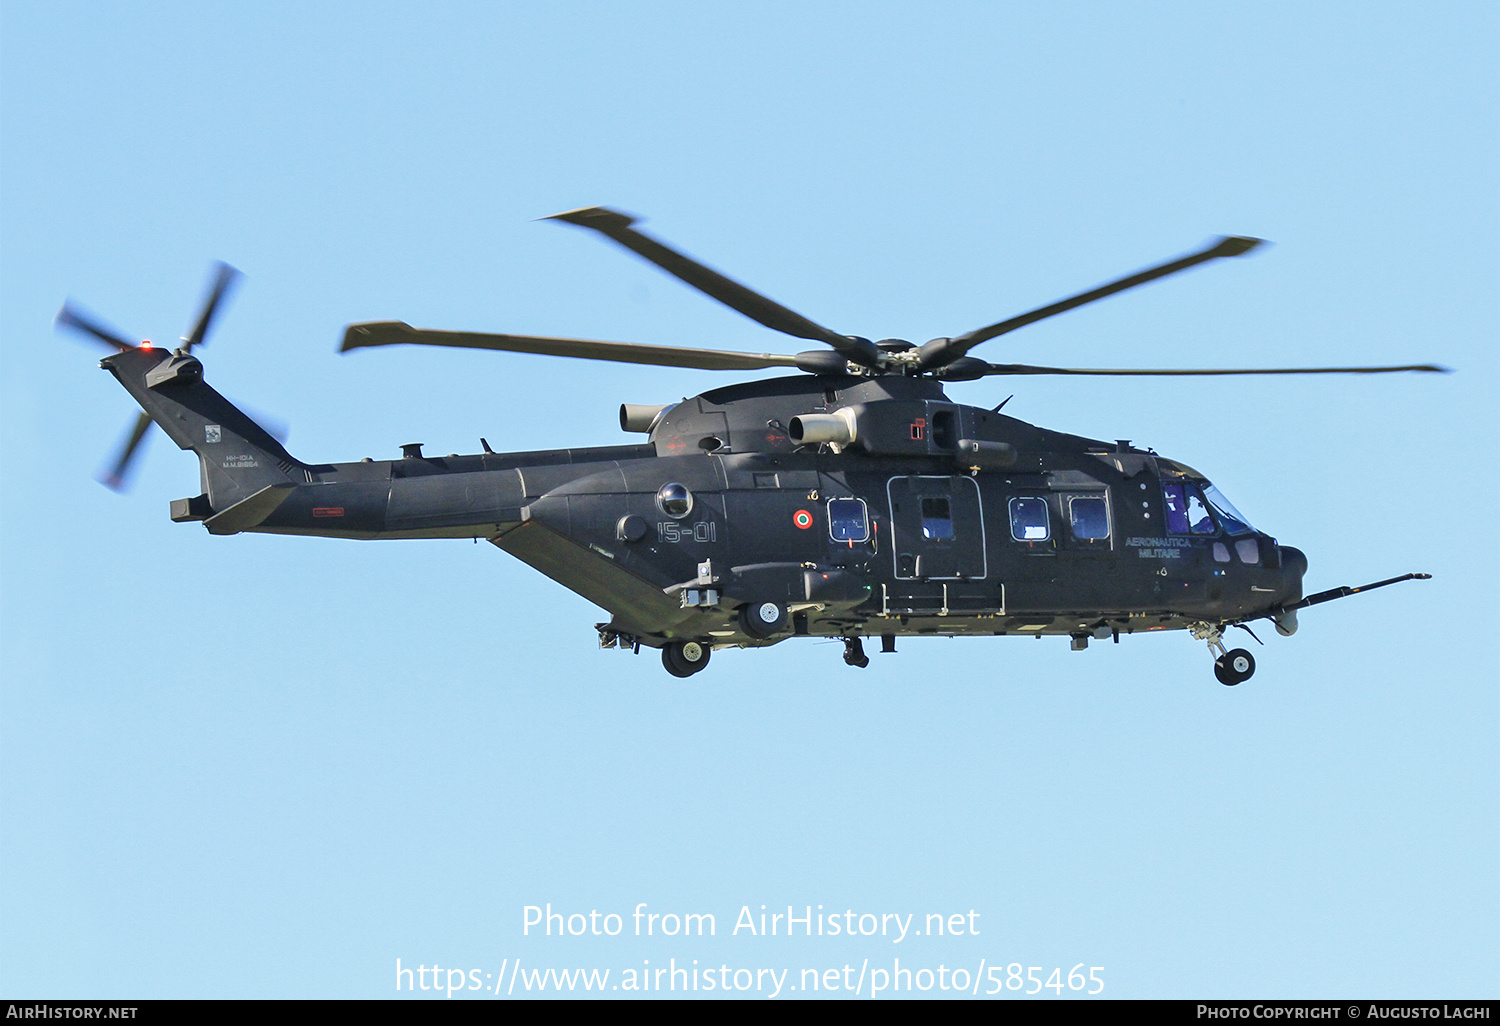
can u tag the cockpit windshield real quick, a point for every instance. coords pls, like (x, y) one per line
(1187, 508)
(1229, 518)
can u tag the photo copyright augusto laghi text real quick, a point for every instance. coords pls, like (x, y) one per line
(681, 974)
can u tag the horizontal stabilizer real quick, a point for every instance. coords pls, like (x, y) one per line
(251, 512)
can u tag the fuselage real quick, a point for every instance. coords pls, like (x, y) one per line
(912, 515)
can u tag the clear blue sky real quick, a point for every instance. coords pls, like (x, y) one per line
(261, 766)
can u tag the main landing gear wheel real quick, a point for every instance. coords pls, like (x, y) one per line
(685, 658)
(1234, 667)
(760, 620)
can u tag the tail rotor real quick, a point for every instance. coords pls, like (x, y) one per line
(75, 319)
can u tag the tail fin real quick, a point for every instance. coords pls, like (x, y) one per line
(238, 458)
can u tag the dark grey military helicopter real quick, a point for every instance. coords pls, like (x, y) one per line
(851, 499)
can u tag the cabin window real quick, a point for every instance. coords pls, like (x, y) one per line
(849, 521)
(1089, 515)
(937, 517)
(1187, 513)
(1028, 520)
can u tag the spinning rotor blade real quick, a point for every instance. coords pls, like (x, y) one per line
(273, 426)
(387, 333)
(224, 277)
(71, 317)
(1021, 368)
(942, 351)
(115, 478)
(615, 225)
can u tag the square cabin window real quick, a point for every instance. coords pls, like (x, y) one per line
(937, 518)
(848, 520)
(1028, 520)
(1089, 515)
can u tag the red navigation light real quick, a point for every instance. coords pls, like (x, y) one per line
(146, 344)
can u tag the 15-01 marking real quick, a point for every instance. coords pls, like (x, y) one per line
(702, 531)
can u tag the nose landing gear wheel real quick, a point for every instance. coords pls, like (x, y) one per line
(1234, 667)
(684, 658)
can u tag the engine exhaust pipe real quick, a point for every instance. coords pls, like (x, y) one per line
(841, 427)
(639, 418)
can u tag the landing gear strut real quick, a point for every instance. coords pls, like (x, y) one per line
(1230, 667)
(854, 653)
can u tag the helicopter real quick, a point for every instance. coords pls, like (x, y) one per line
(848, 500)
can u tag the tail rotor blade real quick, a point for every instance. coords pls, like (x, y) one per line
(223, 280)
(116, 476)
(72, 317)
(273, 426)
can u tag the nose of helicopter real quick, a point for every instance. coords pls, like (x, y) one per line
(1293, 566)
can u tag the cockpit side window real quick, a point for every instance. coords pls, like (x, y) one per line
(1197, 512)
(1176, 505)
(1187, 512)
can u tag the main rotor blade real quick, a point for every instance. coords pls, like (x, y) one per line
(71, 317)
(1021, 368)
(942, 351)
(115, 477)
(615, 225)
(224, 277)
(387, 333)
